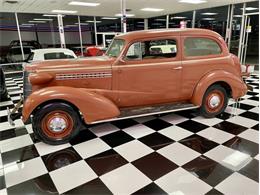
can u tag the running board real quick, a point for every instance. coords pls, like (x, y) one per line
(127, 113)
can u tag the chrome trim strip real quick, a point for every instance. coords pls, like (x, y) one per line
(83, 75)
(142, 115)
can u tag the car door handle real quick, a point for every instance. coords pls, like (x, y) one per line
(177, 68)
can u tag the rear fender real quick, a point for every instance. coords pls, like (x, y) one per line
(238, 87)
(93, 106)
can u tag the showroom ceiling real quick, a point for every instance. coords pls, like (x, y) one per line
(110, 7)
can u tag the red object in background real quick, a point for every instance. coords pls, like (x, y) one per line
(88, 51)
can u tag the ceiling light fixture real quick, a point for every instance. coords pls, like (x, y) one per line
(43, 19)
(82, 23)
(148, 9)
(27, 24)
(192, 1)
(33, 21)
(79, 3)
(208, 19)
(92, 21)
(209, 14)
(250, 8)
(64, 11)
(160, 19)
(49, 15)
(178, 17)
(127, 15)
(108, 18)
(237, 16)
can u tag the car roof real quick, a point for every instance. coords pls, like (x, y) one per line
(166, 32)
(52, 50)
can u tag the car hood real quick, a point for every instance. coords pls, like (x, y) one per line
(63, 64)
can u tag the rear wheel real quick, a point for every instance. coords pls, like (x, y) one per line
(56, 123)
(214, 101)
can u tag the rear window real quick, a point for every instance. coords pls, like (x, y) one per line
(57, 55)
(201, 47)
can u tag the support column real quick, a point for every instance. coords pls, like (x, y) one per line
(80, 36)
(123, 16)
(230, 25)
(95, 30)
(227, 28)
(146, 24)
(19, 35)
(242, 33)
(61, 31)
(167, 21)
(193, 19)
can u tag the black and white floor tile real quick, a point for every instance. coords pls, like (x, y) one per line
(177, 153)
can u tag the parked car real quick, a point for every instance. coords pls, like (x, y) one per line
(3, 90)
(50, 54)
(32, 43)
(130, 81)
(15, 54)
(89, 51)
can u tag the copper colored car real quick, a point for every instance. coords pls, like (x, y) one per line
(143, 73)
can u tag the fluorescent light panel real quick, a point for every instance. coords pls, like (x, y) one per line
(49, 15)
(192, 1)
(250, 8)
(208, 18)
(33, 21)
(91, 21)
(209, 14)
(84, 3)
(108, 18)
(127, 15)
(178, 17)
(64, 11)
(160, 19)
(43, 19)
(237, 16)
(149, 9)
(82, 23)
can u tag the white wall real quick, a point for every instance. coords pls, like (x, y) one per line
(45, 38)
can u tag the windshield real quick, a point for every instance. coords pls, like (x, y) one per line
(115, 47)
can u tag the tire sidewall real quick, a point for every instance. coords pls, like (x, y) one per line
(204, 110)
(43, 111)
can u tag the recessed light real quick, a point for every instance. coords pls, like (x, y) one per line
(160, 19)
(79, 3)
(238, 16)
(209, 14)
(192, 1)
(33, 21)
(208, 19)
(43, 19)
(64, 11)
(148, 9)
(108, 18)
(178, 17)
(127, 15)
(92, 21)
(250, 8)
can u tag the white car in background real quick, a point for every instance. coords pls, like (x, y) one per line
(50, 54)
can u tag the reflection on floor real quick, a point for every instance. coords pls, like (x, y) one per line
(180, 153)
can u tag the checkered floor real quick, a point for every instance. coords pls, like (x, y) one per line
(178, 153)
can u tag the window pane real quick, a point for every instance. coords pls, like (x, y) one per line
(134, 51)
(200, 47)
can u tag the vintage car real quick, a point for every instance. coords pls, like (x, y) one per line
(130, 81)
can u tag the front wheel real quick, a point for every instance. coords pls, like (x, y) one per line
(214, 101)
(56, 123)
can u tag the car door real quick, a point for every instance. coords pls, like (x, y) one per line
(145, 77)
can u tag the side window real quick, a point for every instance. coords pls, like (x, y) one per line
(134, 52)
(153, 49)
(201, 47)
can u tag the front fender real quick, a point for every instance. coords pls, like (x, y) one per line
(238, 87)
(93, 106)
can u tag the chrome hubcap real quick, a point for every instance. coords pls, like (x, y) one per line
(57, 124)
(214, 101)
